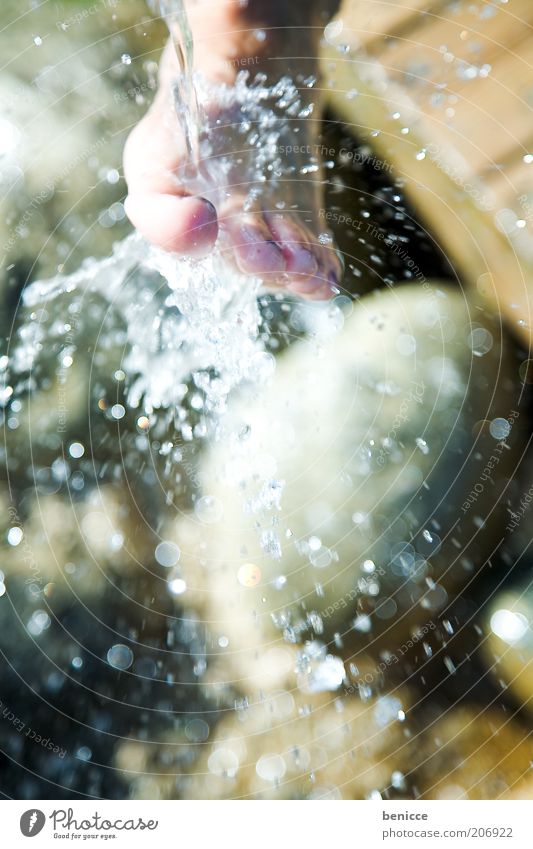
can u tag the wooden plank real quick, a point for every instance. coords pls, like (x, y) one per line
(448, 149)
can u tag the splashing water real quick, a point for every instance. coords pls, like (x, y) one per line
(179, 321)
(182, 317)
(173, 11)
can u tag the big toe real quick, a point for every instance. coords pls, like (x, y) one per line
(312, 267)
(185, 225)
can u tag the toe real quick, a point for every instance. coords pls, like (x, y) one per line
(249, 241)
(181, 224)
(293, 241)
(312, 269)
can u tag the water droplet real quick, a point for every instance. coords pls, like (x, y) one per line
(14, 535)
(197, 731)
(333, 30)
(118, 411)
(508, 625)
(271, 767)
(223, 762)
(500, 428)
(177, 586)
(249, 575)
(363, 623)
(120, 656)
(39, 622)
(167, 554)
(209, 510)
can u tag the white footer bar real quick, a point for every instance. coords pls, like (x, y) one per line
(268, 825)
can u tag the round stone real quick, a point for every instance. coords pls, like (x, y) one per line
(374, 437)
(508, 647)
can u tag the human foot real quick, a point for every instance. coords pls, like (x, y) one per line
(259, 182)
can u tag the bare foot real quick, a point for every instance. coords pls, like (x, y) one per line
(259, 188)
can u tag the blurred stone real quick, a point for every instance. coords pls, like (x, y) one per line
(67, 103)
(508, 643)
(389, 446)
(289, 746)
(470, 753)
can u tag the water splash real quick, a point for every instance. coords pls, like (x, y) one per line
(181, 317)
(173, 12)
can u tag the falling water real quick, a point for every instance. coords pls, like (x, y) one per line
(173, 11)
(188, 333)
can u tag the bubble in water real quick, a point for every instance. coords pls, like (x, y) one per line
(76, 450)
(120, 656)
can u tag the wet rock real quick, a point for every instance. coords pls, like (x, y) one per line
(508, 643)
(290, 746)
(387, 449)
(84, 676)
(470, 753)
(67, 102)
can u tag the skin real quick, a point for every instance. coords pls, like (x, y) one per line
(276, 236)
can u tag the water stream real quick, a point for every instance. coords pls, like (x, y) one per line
(173, 11)
(190, 332)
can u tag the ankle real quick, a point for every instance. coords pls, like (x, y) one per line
(276, 34)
